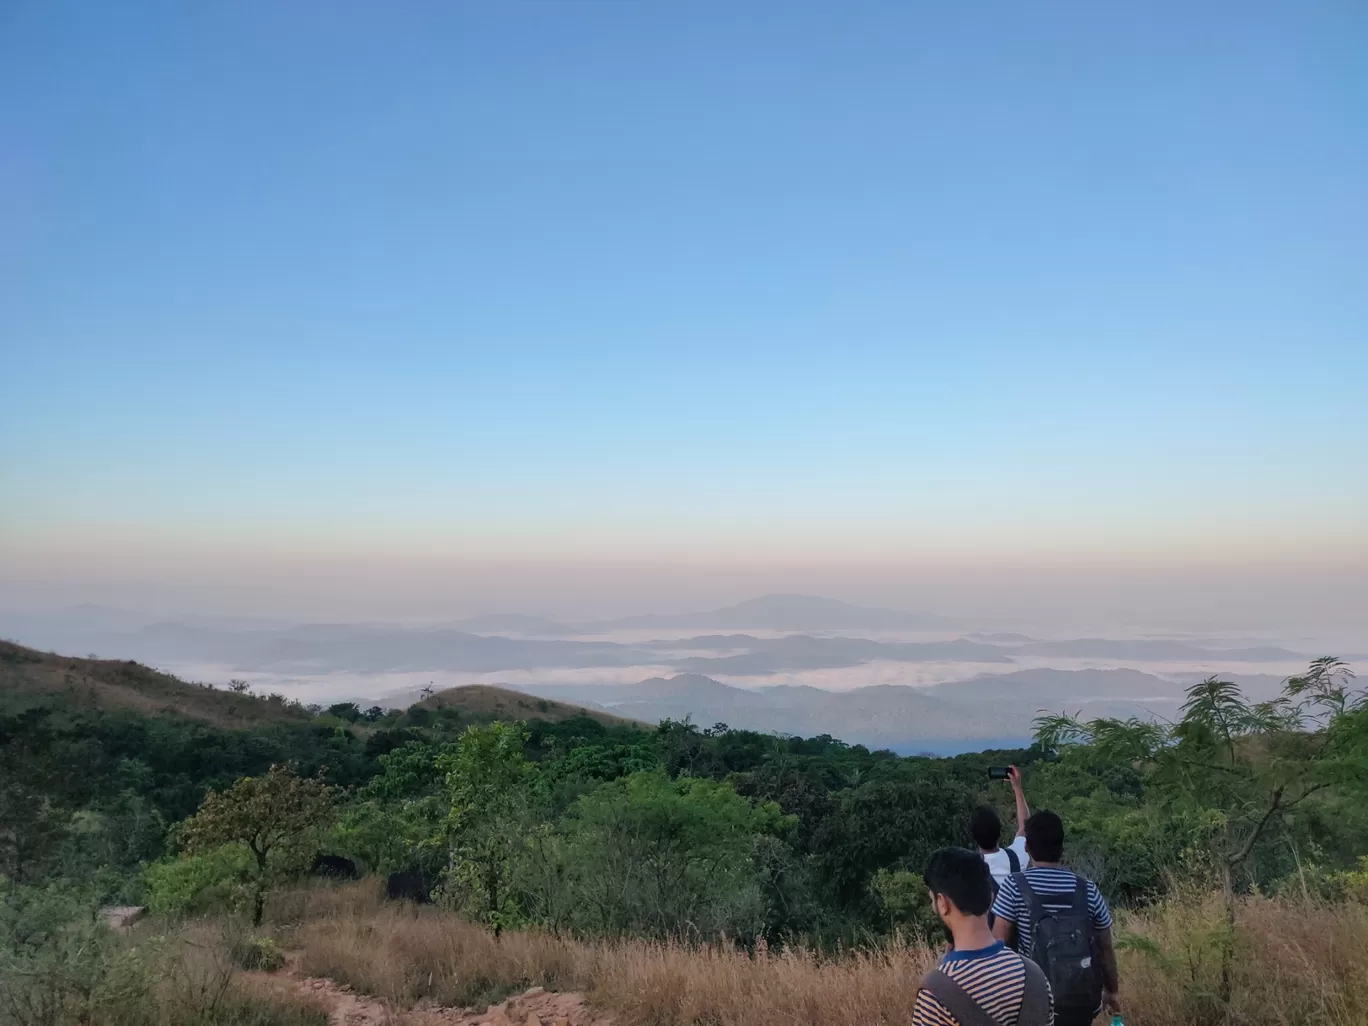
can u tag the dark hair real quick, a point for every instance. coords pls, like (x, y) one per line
(1045, 836)
(985, 827)
(962, 876)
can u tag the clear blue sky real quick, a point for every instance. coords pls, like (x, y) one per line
(684, 277)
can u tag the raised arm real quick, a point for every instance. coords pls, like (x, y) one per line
(1022, 809)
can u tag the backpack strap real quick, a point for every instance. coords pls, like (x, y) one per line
(1035, 908)
(957, 1002)
(1012, 859)
(1036, 1004)
(1080, 895)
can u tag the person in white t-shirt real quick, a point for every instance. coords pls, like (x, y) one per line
(986, 829)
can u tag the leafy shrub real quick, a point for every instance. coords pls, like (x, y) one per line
(219, 880)
(905, 902)
(650, 856)
(261, 953)
(60, 964)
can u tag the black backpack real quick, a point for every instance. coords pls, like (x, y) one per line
(1062, 945)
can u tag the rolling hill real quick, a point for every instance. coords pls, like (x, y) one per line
(29, 677)
(483, 703)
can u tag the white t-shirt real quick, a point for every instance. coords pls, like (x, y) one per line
(998, 863)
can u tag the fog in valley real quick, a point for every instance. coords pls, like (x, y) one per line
(914, 680)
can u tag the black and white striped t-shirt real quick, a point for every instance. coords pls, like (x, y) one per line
(1056, 890)
(993, 976)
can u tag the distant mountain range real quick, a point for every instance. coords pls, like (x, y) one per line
(790, 613)
(515, 642)
(985, 711)
(768, 612)
(765, 656)
(990, 710)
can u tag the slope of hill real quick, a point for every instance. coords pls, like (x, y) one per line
(483, 703)
(29, 677)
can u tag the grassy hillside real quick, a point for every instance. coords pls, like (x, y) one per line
(482, 703)
(29, 677)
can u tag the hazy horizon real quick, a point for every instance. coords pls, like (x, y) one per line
(1200, 596)
(785, 663)
(600, 308)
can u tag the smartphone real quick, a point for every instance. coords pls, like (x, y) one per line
(997, 773)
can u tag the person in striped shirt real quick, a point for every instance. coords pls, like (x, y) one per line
(980, 981)
(1056, 887)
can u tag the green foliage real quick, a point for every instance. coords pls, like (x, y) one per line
(610, 829)
(1241, 773)
(487, 786)
(348, 711)
(886, 823)
(651, 856)
(395, 820)
(1235, 771)
(258, 953)
(216, 880)
(905, 902)
(134, 775)
(59, 964)
(278, 817)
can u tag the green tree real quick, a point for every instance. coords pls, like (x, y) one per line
(487, 784)
(1243, 767)
(396, 820)
(660, 857)
(278, 816)
(348, 711)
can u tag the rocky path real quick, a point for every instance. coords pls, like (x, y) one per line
(536, 1007)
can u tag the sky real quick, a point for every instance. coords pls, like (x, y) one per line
(433, 307)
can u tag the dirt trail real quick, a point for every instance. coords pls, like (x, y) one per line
(536, 1007)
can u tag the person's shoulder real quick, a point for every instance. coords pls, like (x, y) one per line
(1018, 845)
(1097, 904)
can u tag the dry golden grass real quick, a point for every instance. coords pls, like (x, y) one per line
(666, 985)
(405, 954)
(115, 684)
(1295, 964)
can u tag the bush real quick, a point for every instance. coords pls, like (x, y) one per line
(653, 857)
(903, 897)
(219, 880)
(258, 953)
(60, 964)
